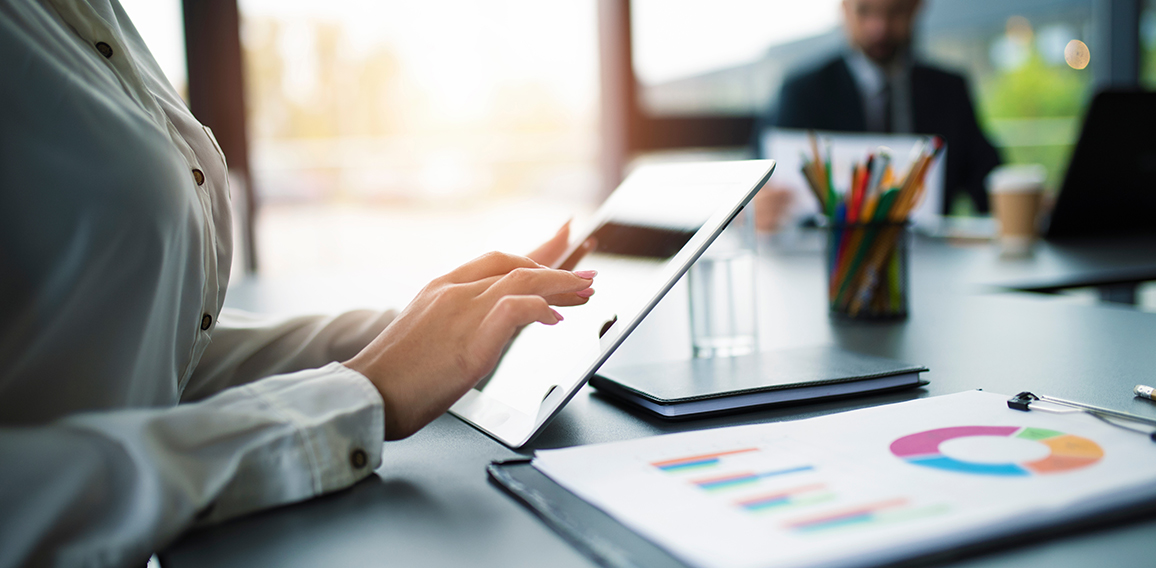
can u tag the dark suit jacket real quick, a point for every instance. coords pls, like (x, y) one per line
(826, 98)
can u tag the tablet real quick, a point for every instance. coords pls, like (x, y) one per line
(647, 233)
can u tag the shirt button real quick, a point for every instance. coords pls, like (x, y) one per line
(206, 321)
(104, 49)
(199, 177)
(358, 458)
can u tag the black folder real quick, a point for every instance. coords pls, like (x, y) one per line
(702, 386)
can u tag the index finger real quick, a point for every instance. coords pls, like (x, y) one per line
(534, 282)
(489, 265)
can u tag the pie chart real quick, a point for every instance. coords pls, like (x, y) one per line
(1060, 452)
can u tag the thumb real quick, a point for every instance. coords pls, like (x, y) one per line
(552, 250)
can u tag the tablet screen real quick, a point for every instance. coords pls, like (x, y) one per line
(645, 235)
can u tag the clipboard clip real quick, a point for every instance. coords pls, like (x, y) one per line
(1024, 400)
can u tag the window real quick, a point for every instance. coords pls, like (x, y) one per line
(417, 134)
(724, 56)
(1029, 78)
(1030, 70)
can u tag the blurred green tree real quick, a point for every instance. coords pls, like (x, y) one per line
(1036, 90)
(1033, 112)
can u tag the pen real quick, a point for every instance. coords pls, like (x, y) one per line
(1144, 391)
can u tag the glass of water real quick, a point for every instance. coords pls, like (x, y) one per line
(723, 318)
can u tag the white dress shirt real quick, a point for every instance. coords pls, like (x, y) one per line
(130, 405)
(873, 81)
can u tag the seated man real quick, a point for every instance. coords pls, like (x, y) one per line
(877, 86)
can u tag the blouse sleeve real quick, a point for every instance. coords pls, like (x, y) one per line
(108, 488)
(246, 347)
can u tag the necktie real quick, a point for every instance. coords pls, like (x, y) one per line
(887, 128)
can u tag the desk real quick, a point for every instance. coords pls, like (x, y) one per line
(430, 504)
(1112, 265)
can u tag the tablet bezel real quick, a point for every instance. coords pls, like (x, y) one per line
(513, 427)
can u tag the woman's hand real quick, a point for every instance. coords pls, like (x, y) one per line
(551, 251)
(453, 332)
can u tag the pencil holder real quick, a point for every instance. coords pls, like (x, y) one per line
(867, 270)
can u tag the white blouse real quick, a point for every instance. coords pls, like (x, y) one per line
(129, 402)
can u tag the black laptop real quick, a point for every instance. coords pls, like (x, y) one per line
(1110, 187)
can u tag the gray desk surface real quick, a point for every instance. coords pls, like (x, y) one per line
(430, 504)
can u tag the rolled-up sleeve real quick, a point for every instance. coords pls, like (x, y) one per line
(246, 347)
(108, 488)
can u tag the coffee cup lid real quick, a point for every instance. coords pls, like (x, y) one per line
(1017, 178)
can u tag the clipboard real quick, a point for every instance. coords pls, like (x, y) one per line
(593, 532)
(610, 543)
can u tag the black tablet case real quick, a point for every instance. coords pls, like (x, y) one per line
(728, 384)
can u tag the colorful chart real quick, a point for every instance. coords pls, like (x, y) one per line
(745, 477)
(1067, 451)
(800, 496)
(822, 506)
(878, 513)
(697, 461)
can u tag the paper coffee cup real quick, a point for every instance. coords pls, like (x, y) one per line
(1015, 192)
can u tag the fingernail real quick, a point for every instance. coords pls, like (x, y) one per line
(558, 315)
(585, 293)
(587, 274)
